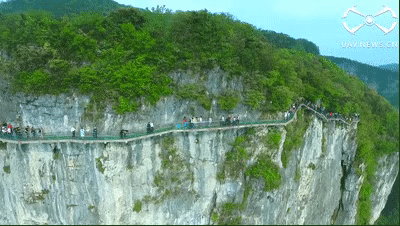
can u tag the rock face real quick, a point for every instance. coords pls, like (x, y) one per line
(57, 114)
(388, 165)
(172, 178)
(74, 183)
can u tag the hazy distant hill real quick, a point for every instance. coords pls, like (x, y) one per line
(392, 67)
(59, 7)
(385, 81)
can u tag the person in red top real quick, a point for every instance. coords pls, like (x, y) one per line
(9, 128)
(184, 121)
(330, 114)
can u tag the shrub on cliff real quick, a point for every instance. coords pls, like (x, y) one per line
(266, 169)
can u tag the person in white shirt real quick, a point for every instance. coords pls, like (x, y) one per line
(151, 127)
(73, 132)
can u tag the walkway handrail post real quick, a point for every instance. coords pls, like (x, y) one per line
(168, 127)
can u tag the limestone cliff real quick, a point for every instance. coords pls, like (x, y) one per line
(173, 178)
(75, 183)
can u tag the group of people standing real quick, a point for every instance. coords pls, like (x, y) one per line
(193, 121)
(150, 127)
(8, 130)
(82, 132)
(229, 121)
(331, 114)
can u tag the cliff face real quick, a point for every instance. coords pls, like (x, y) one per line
(172, 178)
(62, 183)
(57, 114)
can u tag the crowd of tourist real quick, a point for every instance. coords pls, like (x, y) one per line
(7, 130)
(331, 115)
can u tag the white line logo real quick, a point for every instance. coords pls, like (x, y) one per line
(369, 20)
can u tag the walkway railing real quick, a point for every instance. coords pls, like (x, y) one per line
(171, 127)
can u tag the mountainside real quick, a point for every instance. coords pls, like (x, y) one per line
(392, 67)
(281, 40)
(385, 79)
(187, 177)
(59, 7)
(130, 66)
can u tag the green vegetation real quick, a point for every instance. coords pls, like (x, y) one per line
(129, 167)
(266, 169)
(6, 169)
(281, 40)
(294, 135)
(228, 100)
(234, 163)
(311, 166)
(214, 217)
(364, 206)
(195, 92)
(227, 215)
(138, 206)
(174, 173)
(91, 207)
(59, 7)
(123, 59)
(297, 174)
(323, 144)
(3, 145)
(272, 139)
(56, 153)
(235, 159)
(385, 81)
(37, 196)
(99, 164)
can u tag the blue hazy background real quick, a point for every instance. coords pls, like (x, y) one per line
(315, 20)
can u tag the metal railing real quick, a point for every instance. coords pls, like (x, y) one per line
(165, 128)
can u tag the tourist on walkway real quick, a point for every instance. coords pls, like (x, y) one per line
(18, 132)
(191, 125)
(9, 129)
(123, 133)
(151, 127)
(95, 133)
(40, 132)
(4, 129)
(82, 132)
(148, 128)
(27, 131)
(33, 132)
(184, 122)
(73, 132)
